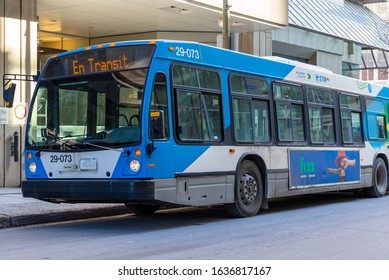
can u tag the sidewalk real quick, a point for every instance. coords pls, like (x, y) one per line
(15, 210)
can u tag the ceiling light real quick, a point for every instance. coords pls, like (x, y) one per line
(176, 10)
(200, 5)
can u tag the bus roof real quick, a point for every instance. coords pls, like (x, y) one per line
(270, 67)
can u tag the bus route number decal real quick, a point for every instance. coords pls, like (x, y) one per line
(189, 53)
(61, 158)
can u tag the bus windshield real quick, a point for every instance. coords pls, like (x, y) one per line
(87, 112)
(90, 99)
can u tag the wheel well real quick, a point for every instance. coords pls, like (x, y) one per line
(384, 158)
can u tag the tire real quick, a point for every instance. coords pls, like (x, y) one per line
(142, 209)
(380, 179)
(249, 191)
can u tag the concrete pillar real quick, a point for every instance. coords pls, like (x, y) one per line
(258, 43)
(262, 43)
(329, 61)
(18, 55)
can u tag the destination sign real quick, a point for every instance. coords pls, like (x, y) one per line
(99, 60)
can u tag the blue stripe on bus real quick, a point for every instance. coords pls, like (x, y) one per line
(384, 93)
(40, 169)
(185, 156)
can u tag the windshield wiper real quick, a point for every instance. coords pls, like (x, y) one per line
(65, 144)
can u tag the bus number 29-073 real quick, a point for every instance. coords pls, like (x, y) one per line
(189, 53)
(61, 158)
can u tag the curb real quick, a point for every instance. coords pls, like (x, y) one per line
(60, 216)
(5, 221)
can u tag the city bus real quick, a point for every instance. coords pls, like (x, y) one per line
(158, 123)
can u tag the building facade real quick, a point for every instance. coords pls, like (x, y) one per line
(377, 61)
(18, 55)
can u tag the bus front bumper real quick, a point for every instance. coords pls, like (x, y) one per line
(109, 191)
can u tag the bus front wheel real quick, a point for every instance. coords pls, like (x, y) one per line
(249, 191)
(380, 179)
(142, 209)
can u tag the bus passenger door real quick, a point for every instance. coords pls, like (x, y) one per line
(159, 149)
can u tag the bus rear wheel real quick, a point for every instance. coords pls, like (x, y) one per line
(249, 191)
(380, 180)
(142, 209)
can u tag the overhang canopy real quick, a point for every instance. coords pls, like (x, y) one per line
(351, 22)
(102, 18)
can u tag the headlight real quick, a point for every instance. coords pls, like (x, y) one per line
(134, 165)
(32, 167)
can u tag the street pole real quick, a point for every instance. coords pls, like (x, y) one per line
(226, 25)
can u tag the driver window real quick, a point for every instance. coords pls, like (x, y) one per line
(159, 101)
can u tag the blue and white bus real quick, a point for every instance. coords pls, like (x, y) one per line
(171, 123)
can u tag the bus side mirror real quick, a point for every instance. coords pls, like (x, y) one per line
(157, 129)
(9, 94)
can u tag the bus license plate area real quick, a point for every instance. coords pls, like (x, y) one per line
(87, 164)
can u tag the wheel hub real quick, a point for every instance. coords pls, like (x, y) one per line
(249, 188)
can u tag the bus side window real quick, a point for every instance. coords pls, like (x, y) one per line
(250, 107)
(189, 115)
(242, 120)
(381, 127)
(198, 108)
(290, 114)
(159, 102)
(321, 116)
(376, 121)
(351, 115)
(284, 122)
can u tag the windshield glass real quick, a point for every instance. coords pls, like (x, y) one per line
(88, 112)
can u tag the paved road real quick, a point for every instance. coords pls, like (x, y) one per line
(324, 227)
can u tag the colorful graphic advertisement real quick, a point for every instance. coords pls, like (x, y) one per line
(316, 168)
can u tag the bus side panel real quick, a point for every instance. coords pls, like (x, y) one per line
(204, 175)
(205, 190)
